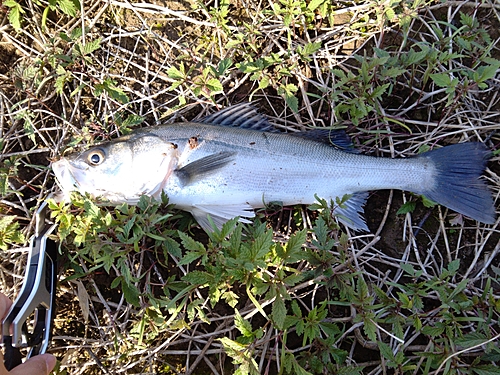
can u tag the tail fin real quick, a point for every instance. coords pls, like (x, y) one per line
(458, 185)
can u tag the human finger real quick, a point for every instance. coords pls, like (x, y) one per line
(41, 364)
(5, 304)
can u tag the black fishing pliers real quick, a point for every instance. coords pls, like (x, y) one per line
(29, 321)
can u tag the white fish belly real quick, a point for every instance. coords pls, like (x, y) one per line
(293, 180)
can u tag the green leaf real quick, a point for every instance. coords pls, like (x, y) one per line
(292, 251)
(385, 350)
(487, 369)
(15, 12)
(114, 92)
(432, 331)
(390, 13)
(214, 85)
(308, 49)
(471, 339)
(314, 4)
(131, 293)
(370, 329)
(189, 243)
(224, 65)
(453, 267)
(132, 120)
(9, 232)
(406, 208)
(175, 73)
(90, 46)
(116, 282)
(441, 79)
(427, 202)
(190, 257)
(484, 73)
(288, 92)
(279, 312)
(242, 325)
(198, 278)
(67, 7)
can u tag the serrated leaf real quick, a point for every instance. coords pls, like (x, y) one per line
(385, 350)
(175, 73)
(432, 331)
(9, 232)
(131, 293)
(394, 72)
(231, 346)
(417, 323)
(15, 12)
(198, 278)
(67, 7)
(292, 251)
(314, 4)
(90, 46)
(242, 325)
(214, 85)
(190, 257)
(379, 91)
(453, 266)
(172, 247)
(309, 49)
(132, 120)
(292, 102)
(370, 329)
(405, 301)
(114, 92)
(484, 73)
(224, 65)
(471, 339)
(279, 312)
(293, 279)
(428, 203)
(190, 244)
(406, 208)
(487, 369)
(441, 79)
(264, 82)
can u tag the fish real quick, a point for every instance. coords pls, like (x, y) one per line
(234, 161)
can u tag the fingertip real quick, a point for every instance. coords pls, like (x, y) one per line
(50, 361)
(5, 304)
(41, 364)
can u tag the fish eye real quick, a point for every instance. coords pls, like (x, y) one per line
(96, 157)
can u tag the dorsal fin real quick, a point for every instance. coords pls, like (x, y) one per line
(242, 115)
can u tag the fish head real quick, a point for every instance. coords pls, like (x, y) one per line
(119, 171)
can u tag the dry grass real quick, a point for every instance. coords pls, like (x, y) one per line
(139, 43)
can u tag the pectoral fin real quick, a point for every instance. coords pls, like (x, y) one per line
(220, 214)
(204, 166)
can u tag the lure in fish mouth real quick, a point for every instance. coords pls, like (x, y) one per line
(233, 161)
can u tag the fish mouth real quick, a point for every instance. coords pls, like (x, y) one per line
(65, 177)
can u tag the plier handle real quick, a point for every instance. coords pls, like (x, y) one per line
(28, 323)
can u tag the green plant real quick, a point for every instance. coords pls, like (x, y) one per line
(16, 11)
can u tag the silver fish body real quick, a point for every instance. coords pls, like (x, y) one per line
(225, 171)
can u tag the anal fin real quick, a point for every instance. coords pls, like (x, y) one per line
(220, 214)
(352, 214)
